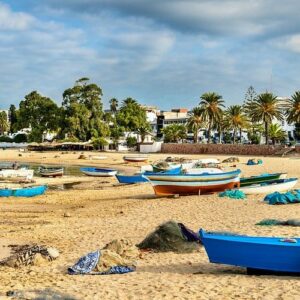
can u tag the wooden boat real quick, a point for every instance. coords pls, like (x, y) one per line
(193, 184)
(23, 192)
(15, 175)
(256, 253)
(279, 185)
(51, 172)
(246, 181)
(135, 158)
(98, 172)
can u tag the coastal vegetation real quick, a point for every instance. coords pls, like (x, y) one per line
(81, 117)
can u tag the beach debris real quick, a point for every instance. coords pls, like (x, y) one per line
(171, 236)
(253, 162)
(116, 257)
(233, 194)
(231, 160)
(46, 294)
(25, 255)
(82, 156)
(67, 215)
(275, 222)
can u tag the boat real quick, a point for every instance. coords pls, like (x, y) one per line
(16, 175)
(279, 185)
(255, 253)
(97, 157)
(138, 178)
(246, 181)
(135, 158)
(51, 171)
(23, 192)
(98, 172)
(130, 179)
(193, 184)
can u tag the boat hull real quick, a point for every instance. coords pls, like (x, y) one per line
(135, 158)
(98, 172)
(261, 253)
(261, 179)
(131, 179)
(193, 188)
(23, 192)
(280, 185)
(44, 172)
(17, 174)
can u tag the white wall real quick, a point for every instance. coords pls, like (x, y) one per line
(155, 147)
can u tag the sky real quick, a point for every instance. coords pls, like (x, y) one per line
(160, 52)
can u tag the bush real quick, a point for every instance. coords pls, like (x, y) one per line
(5, 139)
(131, 141)
(20, 138)
(254, 138)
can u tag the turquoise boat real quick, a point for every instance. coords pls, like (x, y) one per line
(263, 178)
(24, 192)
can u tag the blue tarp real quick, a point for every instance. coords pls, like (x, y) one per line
(283, 198)
(233, 194)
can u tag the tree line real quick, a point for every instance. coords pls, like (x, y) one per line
(256, 116)
(80, 117)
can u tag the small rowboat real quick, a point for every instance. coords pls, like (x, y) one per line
(135, 158)
(279, 185)
(97, 172)
(23, 192)
(254, 253)
(51, 172)
(97, 157)
(16, 175)
(246, 181)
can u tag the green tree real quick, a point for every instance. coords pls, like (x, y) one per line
(116, 132)
(40, 113)
(114, 103)
(131, 116)
(4, 126)
(250, 94)
(211, 105)
(276, 133)
(99, 143)
(12, 115)
(83, 114)
(293, 109)
(143, 130)
(131, 141)
(264, 108)
(195, 121)
(236, 119)
(174, 133)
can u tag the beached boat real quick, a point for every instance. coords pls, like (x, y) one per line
(193, 184)
(23, 192)
(256, 253)
(246, 181)
(97, 172)
(51, 171)
(135, 158)
(15, 175)
(279, 185)
(97, 157)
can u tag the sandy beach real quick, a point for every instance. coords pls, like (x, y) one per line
(100, 210)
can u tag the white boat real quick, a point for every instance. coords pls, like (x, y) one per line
(21, 174)
(135, 158)
(279, 185)
(98, 172)
(204, 170)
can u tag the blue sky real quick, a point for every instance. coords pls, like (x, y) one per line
(164, 53)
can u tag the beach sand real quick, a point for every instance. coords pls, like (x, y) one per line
(101, 211)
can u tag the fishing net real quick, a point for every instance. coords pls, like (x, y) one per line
(162, 165)
(170, 236)
(233, 194)
(274, 222)
(231, 160)
(283, 198)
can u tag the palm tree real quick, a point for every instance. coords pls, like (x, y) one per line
(211, 105)
(236, 119)
(276, 133)
(129, 101)
(195, 122)
(114, 103)
(174, 133)
(4, 126)
(265, 108)
(143, 130)
(293, 109)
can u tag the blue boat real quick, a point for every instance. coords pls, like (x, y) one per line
(98, 172)
(273, 254)
(138, 178)
(24, 192)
